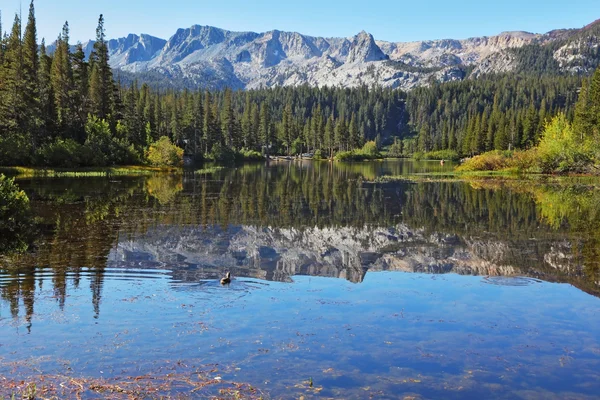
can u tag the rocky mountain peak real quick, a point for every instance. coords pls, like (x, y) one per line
(212, 57)
(364, 49)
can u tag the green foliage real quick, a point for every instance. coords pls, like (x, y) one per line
(368, 152)
(418, 155)
(164, 153)
(105, 148)
(449, 155)
(15, 149)
(65, 153)
(396, 149)
(559, 150)
(222, 154)
(318, 155)
(490, 161)
(494, 112)
(15, 221)
(249, 155)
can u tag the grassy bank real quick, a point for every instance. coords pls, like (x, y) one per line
(559, 151)
(23, 172)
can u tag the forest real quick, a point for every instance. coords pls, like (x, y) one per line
(66, 110)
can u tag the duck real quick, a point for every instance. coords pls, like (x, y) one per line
(227, 279)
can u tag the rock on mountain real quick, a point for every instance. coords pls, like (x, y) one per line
(205, 56)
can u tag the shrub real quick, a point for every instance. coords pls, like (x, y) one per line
(15, 221)
(449, 155)
(345, 156)
(164, 153)
(249, 155)
(369, 151)
(496, 160)
(490, 161)
(105, 149)
(396, 149)
(318, 155)
(222, 154)
(15, 149)
(297, 146)
(418, 155)
(61, 153)
(559, 151)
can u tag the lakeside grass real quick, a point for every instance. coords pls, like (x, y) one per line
(31, 172)
(209, 170)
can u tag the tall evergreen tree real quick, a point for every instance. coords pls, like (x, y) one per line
(62, 82)
(30, 65)
(101, 85)
(264, 130)
(13, 107)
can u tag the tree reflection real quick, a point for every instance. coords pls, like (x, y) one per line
(541, 230)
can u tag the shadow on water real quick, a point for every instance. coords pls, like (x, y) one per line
(126, 272)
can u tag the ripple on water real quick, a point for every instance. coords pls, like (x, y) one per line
(116, 274)
(510, 280)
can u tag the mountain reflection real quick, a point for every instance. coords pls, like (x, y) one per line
(319, 219)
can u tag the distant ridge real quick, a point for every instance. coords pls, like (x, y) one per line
(207, 56)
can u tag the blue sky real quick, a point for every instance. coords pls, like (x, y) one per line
(393, 20)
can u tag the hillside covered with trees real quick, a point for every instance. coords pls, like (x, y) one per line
(68, 110)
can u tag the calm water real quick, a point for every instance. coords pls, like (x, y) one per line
(345, 286)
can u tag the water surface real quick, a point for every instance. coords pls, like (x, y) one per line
(344, 286)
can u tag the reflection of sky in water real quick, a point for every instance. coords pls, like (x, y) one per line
(438, 336)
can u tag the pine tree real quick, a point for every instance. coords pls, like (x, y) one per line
(353, 133)
(30, 65)
(594, 105)
(208, 120)
(62, 82)
(329, 136)
(340, 134)
(247, 123)
(81, 86)
(227, 119)
(583, 122)
(265, 127)
(13, 107)
(101, 82)
(47, 105)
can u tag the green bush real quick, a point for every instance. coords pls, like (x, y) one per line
(104, 148)
(164, 153)
(318, 155)
(518, 160)
(222, 154)
(490, 161)
(369, 151)
(559, 151)
(449, 155)
(61, 153)
(297, 146)
(16, 224)
(418, 155)
(249, 155)
(345, 156)
(396, 149)
(15, 150)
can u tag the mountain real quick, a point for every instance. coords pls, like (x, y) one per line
(206, 56)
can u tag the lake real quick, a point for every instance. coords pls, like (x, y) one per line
(345, 285)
